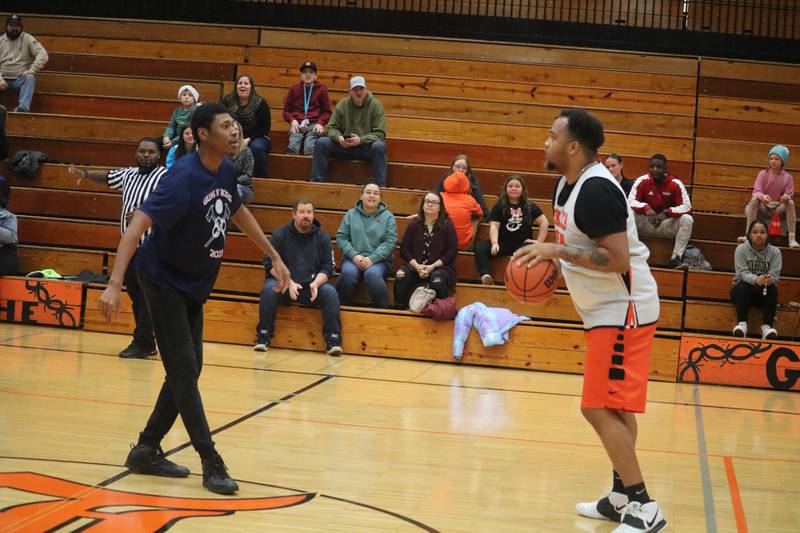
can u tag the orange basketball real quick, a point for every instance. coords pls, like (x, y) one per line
(531, 285)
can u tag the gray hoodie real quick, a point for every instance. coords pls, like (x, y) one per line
(751, 263)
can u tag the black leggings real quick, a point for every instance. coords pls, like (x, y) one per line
(483, 253)
(744, 296)
(403, 287)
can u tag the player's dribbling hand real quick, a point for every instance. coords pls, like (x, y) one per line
(109, 302)
(535, 253)
(281, 275)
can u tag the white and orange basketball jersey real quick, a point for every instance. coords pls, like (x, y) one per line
(606, 299)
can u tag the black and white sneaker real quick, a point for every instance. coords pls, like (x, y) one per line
(333, 344)
(144, 459)
(641, 518)
(606, 508)
(262, 341)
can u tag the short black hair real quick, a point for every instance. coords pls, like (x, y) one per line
(150, 140)
(584, 128)
(203, 117)
(660, 157)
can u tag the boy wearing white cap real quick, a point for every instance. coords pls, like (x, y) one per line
(357, 130)
(772, 194)
(182, 116)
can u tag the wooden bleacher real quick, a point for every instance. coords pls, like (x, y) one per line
(495, 102)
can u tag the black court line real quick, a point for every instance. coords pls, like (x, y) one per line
(229, 425)
(450, 386)
(247, 482)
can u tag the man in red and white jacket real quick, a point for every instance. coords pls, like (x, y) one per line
(662, 208)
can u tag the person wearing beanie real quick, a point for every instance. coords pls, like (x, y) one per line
(463, 209)
(357, 130)
(21, 57)
(9, 259)
(307, 109)
(188, 98)
(773, 193)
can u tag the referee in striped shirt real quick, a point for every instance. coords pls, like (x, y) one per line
(137, 183)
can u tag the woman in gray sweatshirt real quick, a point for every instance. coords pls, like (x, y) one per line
(758, 267)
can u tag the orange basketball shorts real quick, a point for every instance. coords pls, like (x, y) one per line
(616, 368)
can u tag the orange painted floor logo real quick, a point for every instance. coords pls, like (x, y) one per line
(78, 501)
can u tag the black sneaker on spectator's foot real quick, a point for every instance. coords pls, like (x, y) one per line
(262, 341)
(134, 351)
(677, 264)
(216, 477)
(144, 459)
(333, 344)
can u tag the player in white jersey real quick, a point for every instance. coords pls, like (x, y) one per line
(605, 267)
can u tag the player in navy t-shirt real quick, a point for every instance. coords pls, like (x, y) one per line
(177, 266)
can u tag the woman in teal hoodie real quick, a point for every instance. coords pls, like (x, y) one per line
(367, 237)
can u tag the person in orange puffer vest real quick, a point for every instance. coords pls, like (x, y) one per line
(462, 208)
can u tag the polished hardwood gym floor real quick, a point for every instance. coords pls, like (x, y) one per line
(370, 444)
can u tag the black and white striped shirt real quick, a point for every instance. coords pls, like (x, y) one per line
(135, 189)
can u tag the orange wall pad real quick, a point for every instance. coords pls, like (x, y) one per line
(741, 362)
(39, 301)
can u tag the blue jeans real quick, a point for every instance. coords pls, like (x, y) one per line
(327, 299)
(374, 278)
(261, 147)
(327, 148)
(25, 89)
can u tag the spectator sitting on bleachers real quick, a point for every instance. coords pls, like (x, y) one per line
(188, 98)
(252, 112)
(357, 130)
(308, 253)
(9, 258)
(461, 207)
(429, 249)
(662, 208)
(758, 268)
(772, 195)
(510, 226)
(614, 165)
(136, 182)
(461, 163)
(307, 109)
(185, 145)
(21, 57)
(366, 237)
(243, 163)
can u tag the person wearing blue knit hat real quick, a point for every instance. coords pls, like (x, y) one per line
(773, 193)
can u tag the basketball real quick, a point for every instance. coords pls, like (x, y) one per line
(531, 285)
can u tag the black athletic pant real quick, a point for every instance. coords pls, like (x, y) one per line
(483, 253)
(143, 331)
(744, 296)
(178, 325)
(403, 287)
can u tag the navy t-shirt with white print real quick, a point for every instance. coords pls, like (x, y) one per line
(190, 209)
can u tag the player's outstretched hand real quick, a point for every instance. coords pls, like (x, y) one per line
(535, 253)
(281, 275)
(109, 302)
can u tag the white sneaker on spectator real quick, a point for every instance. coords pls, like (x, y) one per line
(794, 244)
(641, 518)
(740, 329)
(741, 239)
(768, 332)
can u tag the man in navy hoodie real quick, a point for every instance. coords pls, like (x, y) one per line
(307, 252)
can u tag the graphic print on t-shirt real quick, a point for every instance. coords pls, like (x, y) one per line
(515, 217)
(217, 215)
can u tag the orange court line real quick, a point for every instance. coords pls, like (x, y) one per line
(736, 498)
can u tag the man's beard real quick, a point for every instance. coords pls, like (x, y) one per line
(147, 169)
(549, 165)
(13, 34)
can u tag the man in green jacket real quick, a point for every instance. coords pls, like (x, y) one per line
(357, 130)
